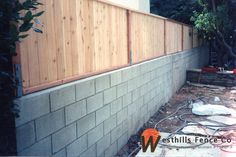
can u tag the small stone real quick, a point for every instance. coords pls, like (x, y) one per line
(216, 99)
(233, 91)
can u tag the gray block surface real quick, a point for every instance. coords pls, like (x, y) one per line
(96, 116)
(49, 124)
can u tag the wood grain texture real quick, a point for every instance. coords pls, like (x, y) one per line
(147, 37)
(187, 37)
(83, 37)
(173, 37)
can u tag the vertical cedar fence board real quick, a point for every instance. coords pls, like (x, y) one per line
(86, 37)
(147, 34)
(187, 37)
(173, 37)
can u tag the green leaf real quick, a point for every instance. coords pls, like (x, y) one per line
(37, 30)
(13, 30)
(28, 16)
(12, 49)
(38, 14)
(25, 27)
(23, 36)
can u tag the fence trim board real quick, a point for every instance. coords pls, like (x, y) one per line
(68, 80)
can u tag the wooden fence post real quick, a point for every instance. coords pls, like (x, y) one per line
(129, 18)
(165, 53)
(182, 40)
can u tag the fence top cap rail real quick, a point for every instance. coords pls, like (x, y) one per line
(140, 12)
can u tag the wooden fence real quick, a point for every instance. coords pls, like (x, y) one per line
(86, 37)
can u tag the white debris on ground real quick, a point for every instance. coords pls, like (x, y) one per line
(233, 91)
(198, 130)
(216, 99)
(219, 122)
(209, 109)
(223, 120)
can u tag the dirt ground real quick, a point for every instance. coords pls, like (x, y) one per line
(185, 96)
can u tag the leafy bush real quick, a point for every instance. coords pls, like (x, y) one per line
(16, 18)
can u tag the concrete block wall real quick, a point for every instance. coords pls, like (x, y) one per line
(97, 115)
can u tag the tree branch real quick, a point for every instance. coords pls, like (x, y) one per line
(224, 44)
(213, 5)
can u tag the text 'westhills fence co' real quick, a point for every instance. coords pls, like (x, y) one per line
(85, 37)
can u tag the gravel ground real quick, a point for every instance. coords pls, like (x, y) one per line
(186, 95)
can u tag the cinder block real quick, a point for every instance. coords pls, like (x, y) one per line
(122, 89)
(103, 144)
(49, 123)
(153, 74)
(125, 125)
(130, 125)
(63, 137)
(62, 97)
(91, 152)
(143, 69)
(85, 124)
(75, 111)
(122, 115)
(109, 95)
(140, 102)
(153, 93)
(116, 106)
(95, 102)
(122, 140)
(25, 136)
(156, 82)
(144, 109)
(147, 97)
(143, 79)
(132, 84)
(109, 124)
(116, 78)
(132, 108)
(127, 99)
(150, 105)
(85, 89)
(102, 114)
(61, 153)
(102, 83)
(42, 148)
(153, 111)
(143, 89)
(135, 94)
(101, 155)
(147, 77)
(139, 80)
(126, 74)
(135, 71)
(95, 134)
(78, 146)
(116, 133)
(112, 150)
(32, 107)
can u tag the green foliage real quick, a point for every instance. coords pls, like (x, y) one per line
(16, 18)
(210, 21)
(180, 10)
(205, 22)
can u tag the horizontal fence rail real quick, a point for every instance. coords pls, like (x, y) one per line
(82, 38)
